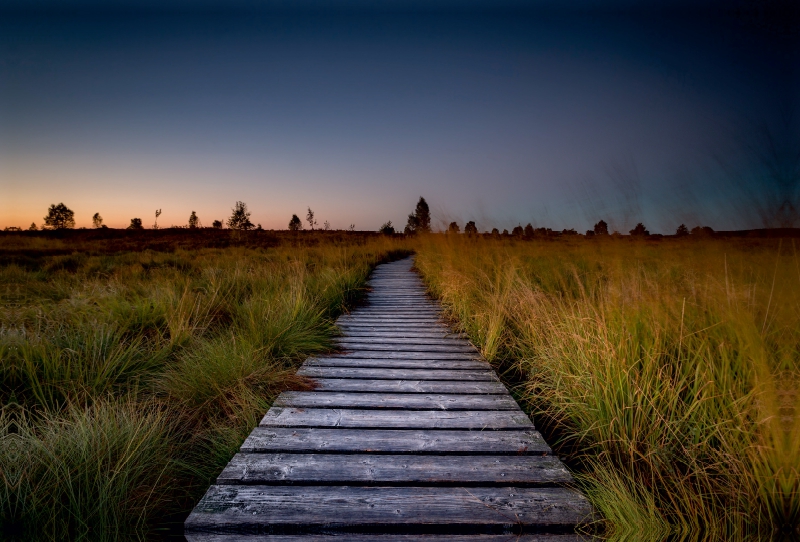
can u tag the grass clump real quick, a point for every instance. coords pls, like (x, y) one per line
(129, 379)
(669, 371)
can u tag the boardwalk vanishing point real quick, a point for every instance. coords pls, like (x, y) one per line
(408, 436)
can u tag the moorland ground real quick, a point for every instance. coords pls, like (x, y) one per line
(133, 364)
(667, 370)
(129, 376)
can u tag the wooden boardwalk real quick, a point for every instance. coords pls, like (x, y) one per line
(409, 436)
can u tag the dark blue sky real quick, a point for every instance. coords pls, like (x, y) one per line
(508, 116)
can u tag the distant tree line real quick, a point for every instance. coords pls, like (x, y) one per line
(60, 217)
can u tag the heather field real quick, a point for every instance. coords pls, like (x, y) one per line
(666, 372)
(130, 376)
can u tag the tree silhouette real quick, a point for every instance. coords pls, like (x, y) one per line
(310, 219)
(529, 230)
(158, 214)
(136, 224)
(517, 231)
(639, 230)
(387, 229)
(682, 231)
(193, 220)
(33, 227)
(327, 225)
(601, 228)
(240, 217)
(217, 224)
(97, 220)
(295, 224)
(471, 228)
(453, 228)
(423, 214)
(505, 233)
(495, 232)
(420, 220)
(59, 217)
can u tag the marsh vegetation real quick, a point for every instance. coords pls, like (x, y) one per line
(128, 379)
(666, 372)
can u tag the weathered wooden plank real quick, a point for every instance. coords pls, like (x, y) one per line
(404, 334)
(428, 341)
(396, 419)
(388, 354)
(310, 508)
(388, 319)
(373, 469)
(379, 346)
(405, 401)
(372, 537)
(372, 373)
(359, 325)
(409, 386)
(394, 441)
(345, 361)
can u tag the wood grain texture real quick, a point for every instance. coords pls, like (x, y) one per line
(450, 364)
(407, 470)
(406, 341)
(406, 401)
(372, 373)
(410, 386)
(372, 537)
(388, 354)
(396, 419)
(394, 441)
(475, 509)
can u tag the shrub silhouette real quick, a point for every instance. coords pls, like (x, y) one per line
(682, 231)
(529, 230)
(240, 217)
(136, 224)
(471, 228)
(453, 228)
(639, 230)
(193, 220)
(217, 224)
(495, 232)
(601, 228)
(295, 224)
(59, 217)
(518, 231)
(97, 220)
(387, 228)
(702, 231)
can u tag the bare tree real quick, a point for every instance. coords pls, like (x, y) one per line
(310, 218)
(158, 214)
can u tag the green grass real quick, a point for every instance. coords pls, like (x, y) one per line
(668, 371)
(129, 378)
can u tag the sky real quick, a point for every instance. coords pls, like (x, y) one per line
(558, 114)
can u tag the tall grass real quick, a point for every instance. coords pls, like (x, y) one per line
(128, 380)
(669, 370)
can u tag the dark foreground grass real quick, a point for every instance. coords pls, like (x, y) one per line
(129, 376)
